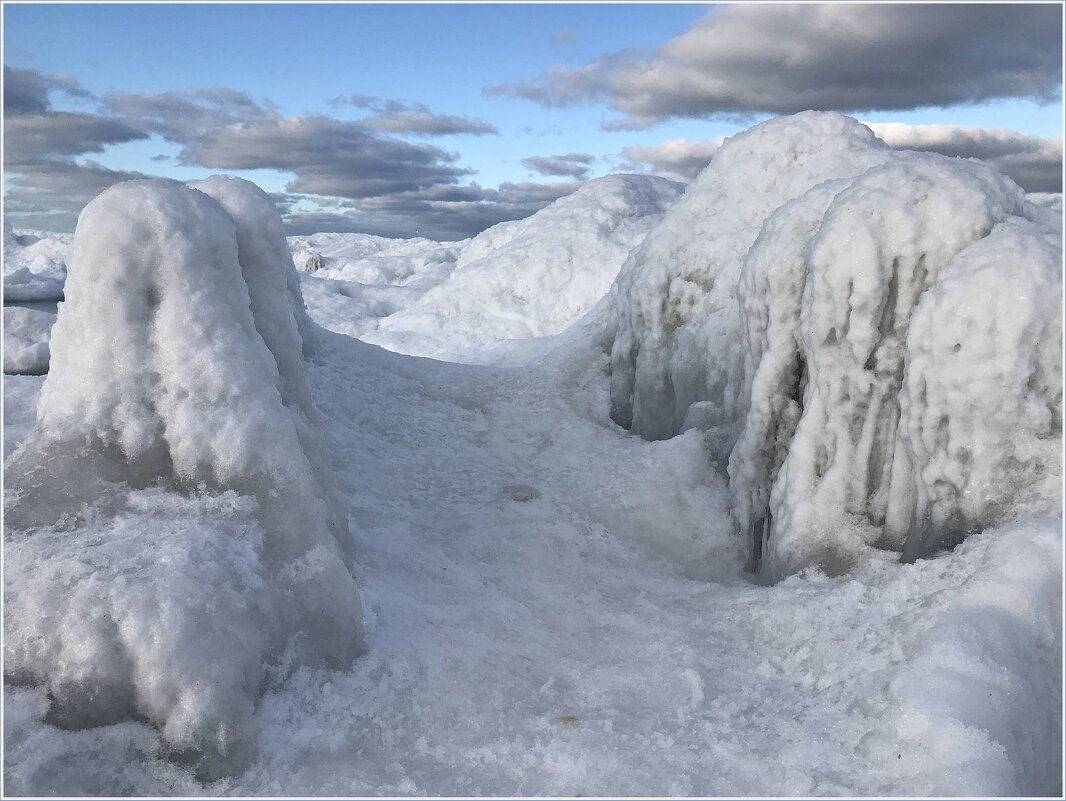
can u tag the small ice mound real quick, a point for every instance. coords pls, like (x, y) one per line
(26, 333)
(821, 470)
(176, 459)
(677, 360)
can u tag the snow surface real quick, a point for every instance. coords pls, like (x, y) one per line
(177, 371)
(554, 607)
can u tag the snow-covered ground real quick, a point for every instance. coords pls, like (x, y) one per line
(552, 605)
(555, 607)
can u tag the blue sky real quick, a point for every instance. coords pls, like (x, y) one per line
(556, 70)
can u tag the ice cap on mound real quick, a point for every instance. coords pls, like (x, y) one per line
(676, 360)
(176, 384)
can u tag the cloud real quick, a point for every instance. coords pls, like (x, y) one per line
(678, 159)
(28, 138)
(327, 156)
(49, 195)
(394, 116)
(1033, 162)
(46, 184)
(186, 115)
(574, 165)
(26, 91)
(749, 59)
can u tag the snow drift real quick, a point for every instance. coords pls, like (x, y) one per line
(173, 525)
(773, 309)
(532, 277)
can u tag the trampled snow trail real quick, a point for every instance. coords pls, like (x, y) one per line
(553, 606)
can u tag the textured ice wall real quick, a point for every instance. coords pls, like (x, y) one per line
(176, 458)
(811, 470)
(677, 360)
(773, 310)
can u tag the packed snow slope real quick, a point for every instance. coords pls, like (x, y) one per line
(555, 607)
(531, 277)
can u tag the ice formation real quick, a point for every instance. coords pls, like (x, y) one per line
(174, 529)
(532, 277)
(773, 309)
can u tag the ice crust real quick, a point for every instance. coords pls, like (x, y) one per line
(176, 459)
(773, 310)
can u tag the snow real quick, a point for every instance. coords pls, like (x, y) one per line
(177, 370)
(601, 638)
(532, 277)
(552, 605)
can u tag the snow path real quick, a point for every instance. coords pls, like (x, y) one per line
(556, 607)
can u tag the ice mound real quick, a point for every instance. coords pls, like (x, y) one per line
(174, 531)
(26, 333)
(532, 277)
(34, 265)
(871, 337)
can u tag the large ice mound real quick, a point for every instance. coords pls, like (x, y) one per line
(174, 533)
(870, 338)
(532, 277)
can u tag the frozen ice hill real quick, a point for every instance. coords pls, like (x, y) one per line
(174, 533)
(532, 277)
(773, 309)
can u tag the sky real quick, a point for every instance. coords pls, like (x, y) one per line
(440, 120)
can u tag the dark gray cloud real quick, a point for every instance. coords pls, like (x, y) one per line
(395, 116)
(186, 115)
(1033, 162)
(28, 138)
(573, 165)
(753, 58)
(26, 91)
(327, 156)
